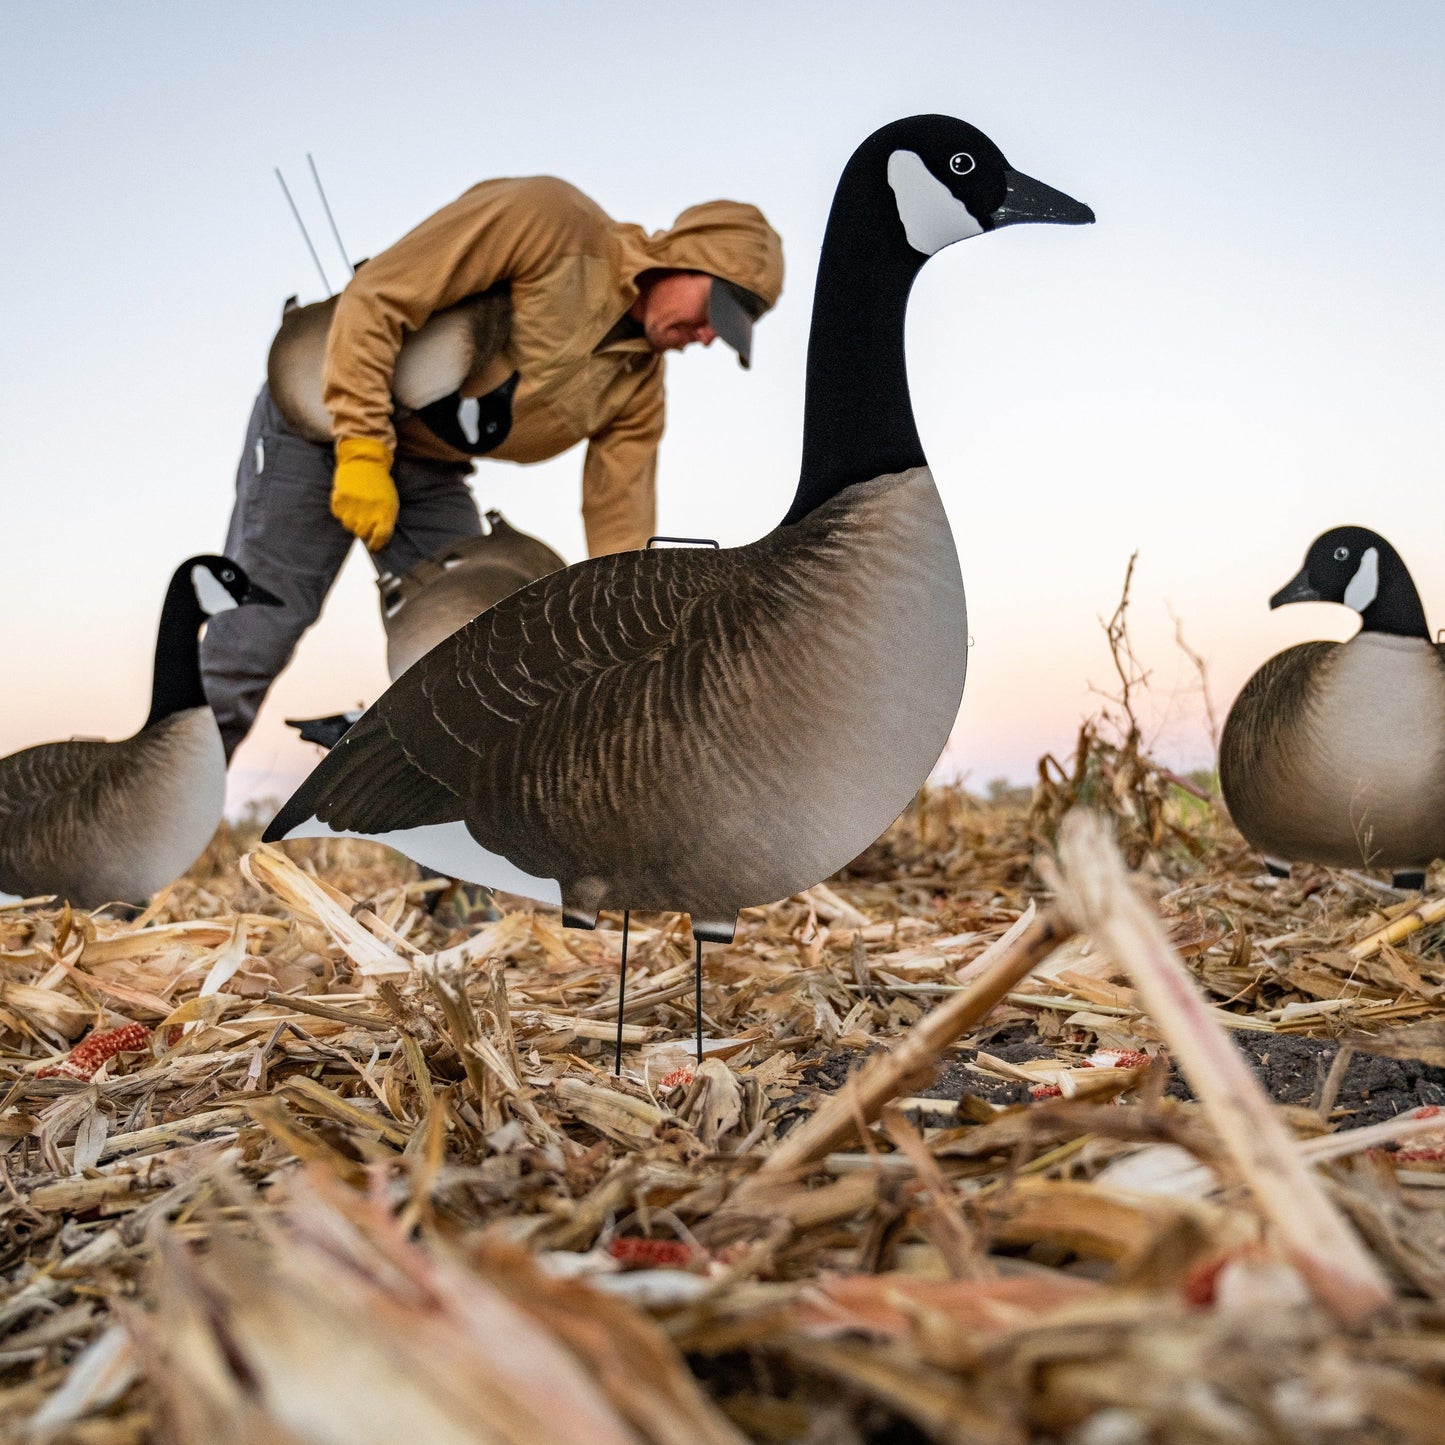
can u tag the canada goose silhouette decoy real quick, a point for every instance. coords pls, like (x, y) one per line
(437, 596)
(706, 729)
(1334, 752)
(99, 822)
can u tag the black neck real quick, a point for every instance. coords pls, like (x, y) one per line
(858, 420)
(1397, 608)
(177, 683)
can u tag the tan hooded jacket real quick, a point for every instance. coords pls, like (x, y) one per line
(572, 275)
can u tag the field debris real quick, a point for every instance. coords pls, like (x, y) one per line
(1049, 1119)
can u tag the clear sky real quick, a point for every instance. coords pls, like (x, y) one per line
(1247, 348)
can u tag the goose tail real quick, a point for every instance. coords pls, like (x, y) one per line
(365, 785)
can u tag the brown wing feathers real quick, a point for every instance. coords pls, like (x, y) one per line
(34, 777)
(517, 694)
(367, 784)
(1272, 701)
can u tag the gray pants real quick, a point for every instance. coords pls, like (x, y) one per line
(282, 532)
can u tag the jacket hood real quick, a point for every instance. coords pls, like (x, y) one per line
(728, 239)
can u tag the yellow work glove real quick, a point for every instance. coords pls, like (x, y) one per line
(363, 495)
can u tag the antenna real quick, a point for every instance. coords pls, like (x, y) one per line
(305, 235)
(326, 206)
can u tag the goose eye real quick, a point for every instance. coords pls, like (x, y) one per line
(228, 575)
(961, 164)
(1341, 553)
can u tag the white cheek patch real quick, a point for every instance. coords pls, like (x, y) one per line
(469, 417)
(1365, 584)
(209, 593)
(933, 217)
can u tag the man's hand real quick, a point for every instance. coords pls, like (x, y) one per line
(363, 495)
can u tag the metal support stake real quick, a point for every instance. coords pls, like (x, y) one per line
(621, 995)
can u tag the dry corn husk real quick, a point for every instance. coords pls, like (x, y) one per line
(758, 1247)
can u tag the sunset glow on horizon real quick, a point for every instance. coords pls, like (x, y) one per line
(1245, 350)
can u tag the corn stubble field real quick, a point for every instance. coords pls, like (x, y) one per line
(992, 1143)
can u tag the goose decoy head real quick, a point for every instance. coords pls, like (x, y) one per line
(950, 182)
(221, 584)
(1360, 570)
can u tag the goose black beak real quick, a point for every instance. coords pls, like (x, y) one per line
(1299, 589)
(257, 593)
(1029, 200)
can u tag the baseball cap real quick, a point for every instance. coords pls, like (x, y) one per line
(731, 311)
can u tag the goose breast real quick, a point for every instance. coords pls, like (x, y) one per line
(1348, 763)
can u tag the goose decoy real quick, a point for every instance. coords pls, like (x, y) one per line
(1334, 752)
(99, 822)
(437, 596)
(457, 345)
(705, 729)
